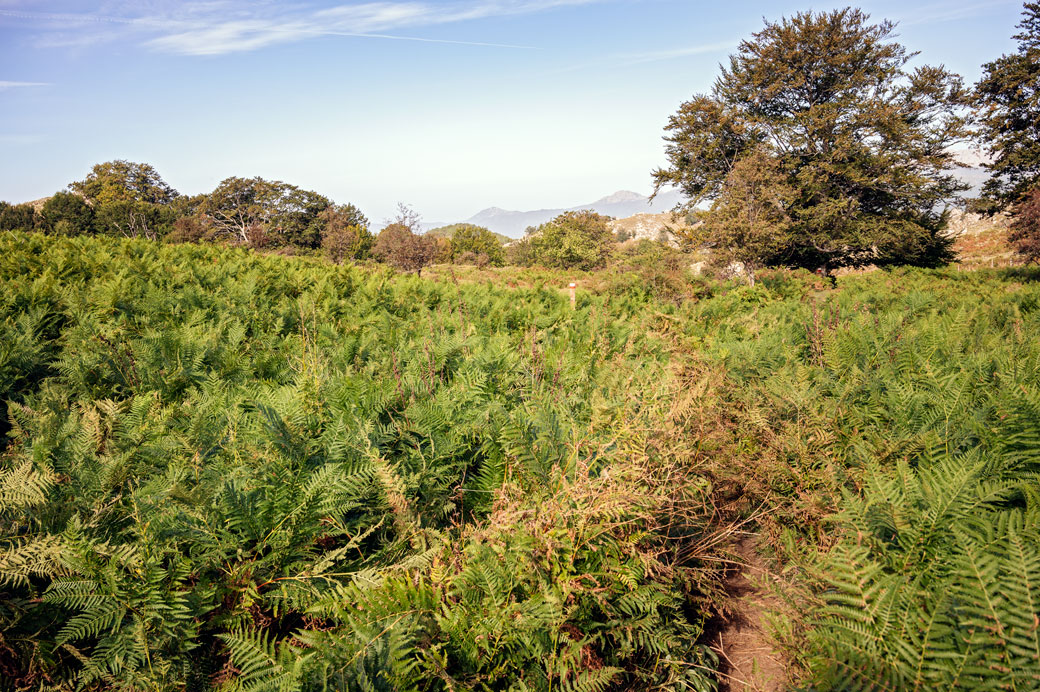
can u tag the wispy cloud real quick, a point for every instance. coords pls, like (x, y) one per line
(215, 28)
(618, 60)
(15, 85)
(674, 53)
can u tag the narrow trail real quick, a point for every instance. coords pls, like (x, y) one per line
(743, 642)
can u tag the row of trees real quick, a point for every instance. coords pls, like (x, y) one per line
(820, 146)
(123, 198)
(127, 199)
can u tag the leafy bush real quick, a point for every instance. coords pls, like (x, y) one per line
(573, 240)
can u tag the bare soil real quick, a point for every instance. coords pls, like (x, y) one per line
(748, 654)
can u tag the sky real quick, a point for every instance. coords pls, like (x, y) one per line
(447, 106)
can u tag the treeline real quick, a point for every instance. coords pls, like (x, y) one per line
(127, 199)
(131, 200)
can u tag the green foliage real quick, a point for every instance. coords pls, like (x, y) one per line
(133, 219)
(894, 428)
(17, 217)
(863, 141)
(449, 232)
(244, 472)
(573, 240)
(129, 199)
(749, 223)
(262, 212)
(344, 233)
(652, 272)
(65, 213)
(478, 242)
(1008, 105)
(124, 181)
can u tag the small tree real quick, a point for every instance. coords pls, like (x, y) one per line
(1008, 102)
(476, 240)
(399, 247)
(342, 243)
(1025, 227)
(191, 229)
(749, 223)
(574, 239)
(521, 253)
(65, 213)
(344, 233)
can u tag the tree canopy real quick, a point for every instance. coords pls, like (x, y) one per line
(574, 239)
(749, 223)
(124, 181)
(862, 140)
(17, 217)
(478, 242)
(398, 246)
(344, 233)
(1008, 101)
(243, 208)
(65, 213)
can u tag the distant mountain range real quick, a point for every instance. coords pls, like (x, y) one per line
(619, 205)
(625, 203)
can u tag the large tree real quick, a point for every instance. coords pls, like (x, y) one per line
(862, 139)
(1008, 102)
(129, 199)
(247, 208)
(124, 181)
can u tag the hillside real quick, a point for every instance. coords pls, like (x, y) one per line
(647, 226)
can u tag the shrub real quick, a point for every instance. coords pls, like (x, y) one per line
(399, 247)
(573, 240)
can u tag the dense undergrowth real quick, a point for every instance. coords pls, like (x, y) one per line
(224, 470)
(891, 430)
(229, 471)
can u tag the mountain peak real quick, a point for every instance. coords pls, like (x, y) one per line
(619, 205)
(622, 197)
(492, 212)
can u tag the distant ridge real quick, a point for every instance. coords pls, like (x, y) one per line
(621, 204)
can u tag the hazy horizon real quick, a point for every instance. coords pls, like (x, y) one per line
(450, 107)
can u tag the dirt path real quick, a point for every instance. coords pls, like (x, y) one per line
(743, 642)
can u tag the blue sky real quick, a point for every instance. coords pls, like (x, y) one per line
(447, 106)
